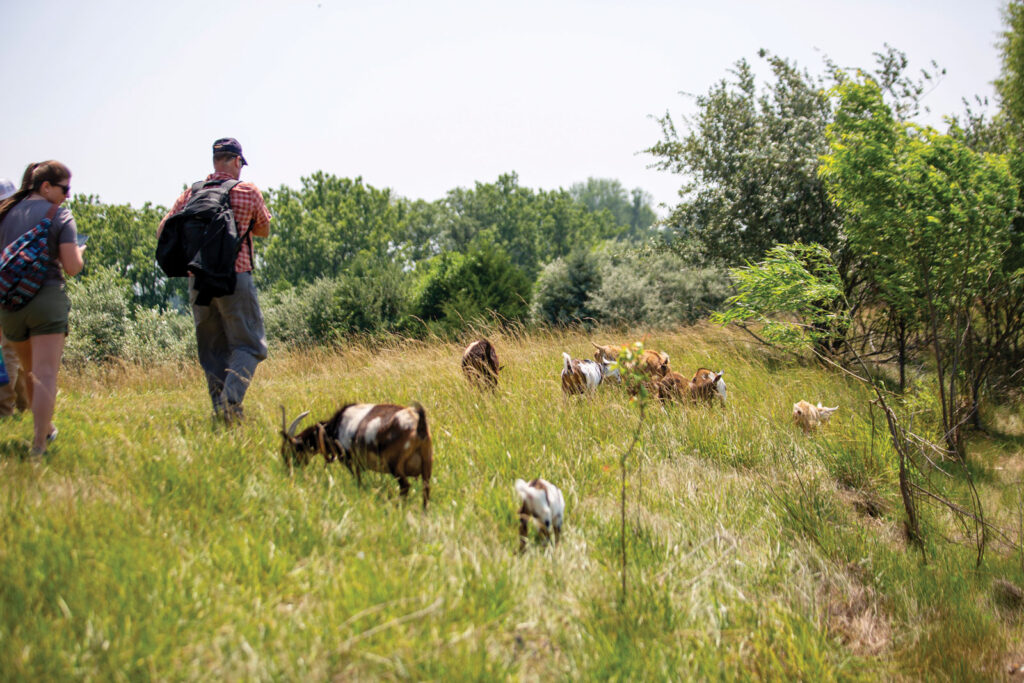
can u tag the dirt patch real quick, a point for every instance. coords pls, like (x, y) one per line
(872, 509)
(851, 610)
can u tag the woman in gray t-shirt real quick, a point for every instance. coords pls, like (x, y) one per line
(37, 331)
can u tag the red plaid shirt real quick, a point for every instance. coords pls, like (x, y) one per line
(247, 204)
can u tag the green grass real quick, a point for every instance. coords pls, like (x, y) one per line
(154, 544)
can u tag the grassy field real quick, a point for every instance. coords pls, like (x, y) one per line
(155, 544)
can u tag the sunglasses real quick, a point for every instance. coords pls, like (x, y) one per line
(66, 188)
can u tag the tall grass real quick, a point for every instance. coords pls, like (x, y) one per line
(154, 543)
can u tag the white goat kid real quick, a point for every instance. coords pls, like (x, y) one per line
(810, 416)
(542, 502)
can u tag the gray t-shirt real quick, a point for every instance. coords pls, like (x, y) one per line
(26, 215)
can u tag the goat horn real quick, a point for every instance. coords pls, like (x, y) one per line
(295, 423)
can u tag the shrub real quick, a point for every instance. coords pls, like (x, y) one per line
(457, 288)
(104, 325)
(166, 335)
(638, 287)
(563, 288)
(100, 317)
(370, 298)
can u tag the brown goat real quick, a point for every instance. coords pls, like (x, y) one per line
(652, 363)
(480, 363)
(606, 352)
(703, 387)
(380, 437)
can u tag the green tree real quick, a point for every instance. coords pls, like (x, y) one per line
(790, 295)
(1010, 83)
(929, 219)
(751, 163)
(563, 288)
(319, 228)
(632, 211)
(457, 288)
(123, 240)
(502, 212)
(532, 227)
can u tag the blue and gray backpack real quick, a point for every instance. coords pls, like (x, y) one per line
(23, 265)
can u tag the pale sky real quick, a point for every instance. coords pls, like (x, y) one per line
(420, 97)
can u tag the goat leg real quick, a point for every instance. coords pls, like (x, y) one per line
(524, 528)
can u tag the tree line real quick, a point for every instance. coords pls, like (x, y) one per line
(345, 257)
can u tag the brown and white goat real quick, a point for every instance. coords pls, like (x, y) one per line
(542, 502)
(480, 363)
(380, 437)
(809, 416)
(607, 355)
(582, 376)
(703, 375)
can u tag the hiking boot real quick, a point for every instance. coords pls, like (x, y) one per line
(233, 414)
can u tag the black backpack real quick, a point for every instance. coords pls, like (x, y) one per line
(202, 239)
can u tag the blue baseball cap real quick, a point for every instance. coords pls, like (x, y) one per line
(229, 146)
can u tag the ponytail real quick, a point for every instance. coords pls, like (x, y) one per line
(32, 179)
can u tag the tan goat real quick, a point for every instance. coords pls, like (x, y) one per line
(809, 416)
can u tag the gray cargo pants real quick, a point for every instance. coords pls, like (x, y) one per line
(231, 341)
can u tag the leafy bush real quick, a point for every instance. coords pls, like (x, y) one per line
(104, 324)
(370, 298)
(457, 288)
(166, 335)
(638, 287)
(100, 317)
(624, 286)
(563, 288)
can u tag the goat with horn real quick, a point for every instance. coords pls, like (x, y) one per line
(380, 437)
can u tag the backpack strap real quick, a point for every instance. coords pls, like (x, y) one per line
(51, 238)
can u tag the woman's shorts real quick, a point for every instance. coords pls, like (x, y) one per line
(47, 313)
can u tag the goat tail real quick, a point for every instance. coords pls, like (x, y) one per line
(523, 489)
(568, 361)
(421, 426)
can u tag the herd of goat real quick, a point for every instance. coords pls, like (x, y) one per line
(393, 439)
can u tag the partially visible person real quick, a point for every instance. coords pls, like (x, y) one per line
(38, 330)
(14, 394)
(229, 331)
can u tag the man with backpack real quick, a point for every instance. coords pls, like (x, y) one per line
(209, 236)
